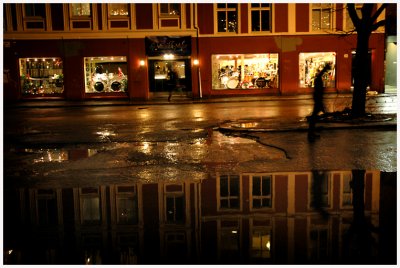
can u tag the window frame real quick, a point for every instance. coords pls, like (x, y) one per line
(329, 192)
(36, 19)
(170, 18)
(119, 18)
(260, 9)
(251, 195)
(174, 194)
(229, 197)
(321, 10)
(226, 10)
(91, 19)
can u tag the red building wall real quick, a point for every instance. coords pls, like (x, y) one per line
(281, 18)
(302, 15)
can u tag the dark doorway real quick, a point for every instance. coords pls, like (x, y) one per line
(158, 71)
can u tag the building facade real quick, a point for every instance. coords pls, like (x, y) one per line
(102, 51)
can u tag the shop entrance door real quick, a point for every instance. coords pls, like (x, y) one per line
(158, 69)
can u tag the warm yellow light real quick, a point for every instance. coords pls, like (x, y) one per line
(196, 62)
(141, 62)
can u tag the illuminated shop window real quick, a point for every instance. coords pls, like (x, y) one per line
(245, 71)
(311, 63)
(41, 76)
(227, 18)
(260, 17)
(261, 244)
(229, 192)
(105, 74)
(322, 16)
(261, 194)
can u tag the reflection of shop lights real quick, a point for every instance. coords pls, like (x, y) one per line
(268, 245)
(168, 56)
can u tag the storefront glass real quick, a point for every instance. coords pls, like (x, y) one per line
(245, 71)
(41, 76)
(106, 74)
(311, 63)
(161, 68)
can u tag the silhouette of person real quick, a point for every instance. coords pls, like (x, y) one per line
(318, 101)
(317, 192)
(172, 82)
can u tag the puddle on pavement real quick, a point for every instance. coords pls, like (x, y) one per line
(315, 217)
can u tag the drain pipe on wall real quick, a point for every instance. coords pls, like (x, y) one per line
(197, 48)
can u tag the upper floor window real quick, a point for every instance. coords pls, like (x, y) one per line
(34, 10)
(349, 24)
(170, 9)
(260, 17)
(227, 16)
(118, 10)
(78, 10)
(322, 16)
(34, 16)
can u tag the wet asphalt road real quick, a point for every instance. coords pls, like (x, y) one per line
(169, 141)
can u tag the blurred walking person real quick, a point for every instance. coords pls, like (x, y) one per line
(172, 81)
(318, 97)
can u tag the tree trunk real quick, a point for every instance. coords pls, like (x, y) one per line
(361, 74)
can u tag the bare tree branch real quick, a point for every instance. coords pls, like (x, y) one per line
(353, 15)
(378, 24)
(378, 12)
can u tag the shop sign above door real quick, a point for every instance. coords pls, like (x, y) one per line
(160, 45)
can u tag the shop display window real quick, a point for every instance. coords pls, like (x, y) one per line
(41, 76)
(245, 71)
(311, 63)
(106, 74)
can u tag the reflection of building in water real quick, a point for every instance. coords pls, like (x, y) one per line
(230, 218)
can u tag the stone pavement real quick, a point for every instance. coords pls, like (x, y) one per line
(388, 121)
(373, 103)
